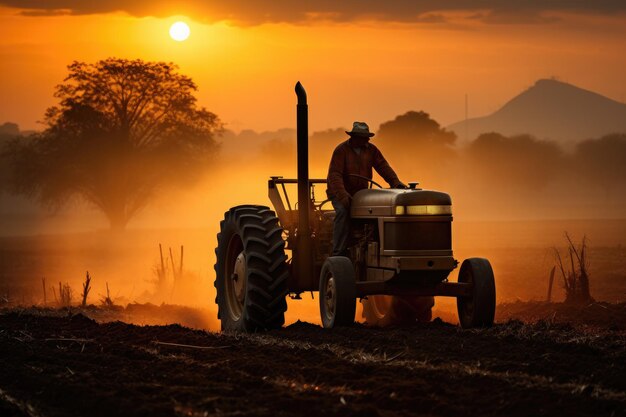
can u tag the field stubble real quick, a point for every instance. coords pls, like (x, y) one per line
(71, 365)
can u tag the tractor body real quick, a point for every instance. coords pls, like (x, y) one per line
(400, 243)
(400, 254)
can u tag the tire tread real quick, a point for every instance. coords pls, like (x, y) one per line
(267, 275)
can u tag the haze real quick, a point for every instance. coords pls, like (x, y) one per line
(369, 61)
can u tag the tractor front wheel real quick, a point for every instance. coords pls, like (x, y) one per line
(337, 292)
(478, 309)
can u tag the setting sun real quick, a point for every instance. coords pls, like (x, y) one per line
(179, 31)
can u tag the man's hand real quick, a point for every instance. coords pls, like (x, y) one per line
(400, 185)
(345, 200)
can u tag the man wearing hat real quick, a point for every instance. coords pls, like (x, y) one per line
(355, 156)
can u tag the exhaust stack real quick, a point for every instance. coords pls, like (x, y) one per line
(305, 258)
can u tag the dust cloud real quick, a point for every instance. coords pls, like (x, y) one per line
(510, 205)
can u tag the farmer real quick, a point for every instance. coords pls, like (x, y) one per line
(352, 159)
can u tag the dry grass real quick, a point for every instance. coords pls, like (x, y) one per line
(65, 295)
(106, 300)
(576, 278)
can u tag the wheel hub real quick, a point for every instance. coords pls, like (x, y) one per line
(239, 277)
(235, 277)
(330, 297)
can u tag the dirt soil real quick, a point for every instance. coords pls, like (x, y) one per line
(600, 315)
(55, 365)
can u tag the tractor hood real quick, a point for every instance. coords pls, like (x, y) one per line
(385, 202)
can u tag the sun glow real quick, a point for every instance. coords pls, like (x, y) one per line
(179, 31)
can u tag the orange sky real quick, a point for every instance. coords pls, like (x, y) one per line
(368, 69)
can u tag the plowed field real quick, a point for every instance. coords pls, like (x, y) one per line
(74, 366)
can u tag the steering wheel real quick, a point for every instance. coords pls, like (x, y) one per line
(372, 182)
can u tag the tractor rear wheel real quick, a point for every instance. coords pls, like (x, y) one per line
(390, 310)
(250, 271)
(477, 310)
(337, 292)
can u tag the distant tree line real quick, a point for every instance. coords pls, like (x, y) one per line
(8, 133)
(122, 131)
(415, 144)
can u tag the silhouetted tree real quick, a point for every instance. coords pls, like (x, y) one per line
(518, 162)
(603, 161)
(416, 128)
(120, 131)
(415, 141)
(8, 133)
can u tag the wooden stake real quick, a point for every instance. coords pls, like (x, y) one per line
(550, 283)
(107, 301)
(56, 300)
(43, 282)
(560, 261)
(86, 289)
(173, 267)
(180, 269)
(162, 272)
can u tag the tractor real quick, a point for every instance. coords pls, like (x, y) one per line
(400, 255)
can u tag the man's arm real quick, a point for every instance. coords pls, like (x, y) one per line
(383, 168)
(336, 187)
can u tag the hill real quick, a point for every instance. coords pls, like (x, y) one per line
(551, 109)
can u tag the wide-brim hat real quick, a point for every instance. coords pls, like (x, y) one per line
(360, 129)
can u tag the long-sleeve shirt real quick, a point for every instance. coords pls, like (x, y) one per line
(348, 159)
